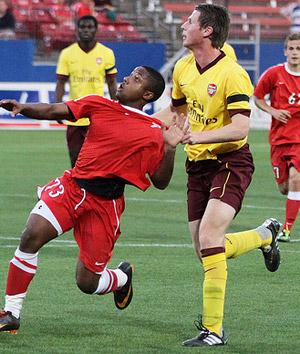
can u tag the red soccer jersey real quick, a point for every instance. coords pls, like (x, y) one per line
(283, 85)
(121, 141)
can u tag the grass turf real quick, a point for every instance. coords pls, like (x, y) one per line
(262, 308)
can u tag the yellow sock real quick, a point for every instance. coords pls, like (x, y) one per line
(245, 241)
(214, 285)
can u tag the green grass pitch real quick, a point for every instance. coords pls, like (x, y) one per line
(262, 309)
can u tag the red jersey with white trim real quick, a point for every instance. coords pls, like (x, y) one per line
(121, 141)
(283, 85)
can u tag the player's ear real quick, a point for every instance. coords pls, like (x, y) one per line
(148, 96)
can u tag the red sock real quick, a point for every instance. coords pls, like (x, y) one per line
(20, 272)
(291, 212)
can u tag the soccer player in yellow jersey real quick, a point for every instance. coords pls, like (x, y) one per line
(86, 64)
(213, 91)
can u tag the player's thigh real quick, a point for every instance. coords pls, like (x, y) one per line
(280, 167)
(97, 230)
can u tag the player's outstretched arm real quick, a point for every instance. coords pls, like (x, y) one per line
(37, 110)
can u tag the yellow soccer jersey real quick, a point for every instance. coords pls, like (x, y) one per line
(209, 94)
(86, 71)
(229, 51)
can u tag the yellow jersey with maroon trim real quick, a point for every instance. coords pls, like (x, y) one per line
(210, 93)
(86, 71)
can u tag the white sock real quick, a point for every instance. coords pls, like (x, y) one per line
(106, 281)
(13, 303)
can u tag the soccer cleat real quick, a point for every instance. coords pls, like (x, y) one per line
(123, 296)
(205, 337)
(8, 322)
(271, 253)
(284, 236)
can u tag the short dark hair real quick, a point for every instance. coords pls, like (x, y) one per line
(291, 37)
(156, 82)
(87, 17)
(217, 17)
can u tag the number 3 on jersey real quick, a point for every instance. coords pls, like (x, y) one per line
(59, 188)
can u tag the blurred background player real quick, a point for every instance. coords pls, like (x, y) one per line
(292, 12)
(282, 84)
(106, 7)
(90, 198)
(86, 64)
(83, 8)
(7, 21)
(214, 91)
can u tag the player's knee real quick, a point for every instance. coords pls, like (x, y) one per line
(85, 285)
(30, 239)
(283, 189)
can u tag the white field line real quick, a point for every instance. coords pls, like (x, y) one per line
(72, 244)
(149, 200)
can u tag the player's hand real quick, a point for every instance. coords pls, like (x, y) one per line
(11, 105)
(281, 115)
(191, 138)
(176, 131)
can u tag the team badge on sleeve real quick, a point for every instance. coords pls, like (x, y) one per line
(211, 89)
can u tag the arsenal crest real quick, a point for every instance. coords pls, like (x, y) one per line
(98, 61)
(211, 89)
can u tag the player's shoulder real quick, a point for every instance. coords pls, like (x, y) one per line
(277, 67)
(103, 48)
(273, 70)
(187, 59)
(184, 63)
(69, 50)
(230, 65)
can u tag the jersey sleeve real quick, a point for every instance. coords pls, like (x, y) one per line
(238, 90)
(84, 107)
(264, 85)
(62, 65)
(178, 98)
(110, 64)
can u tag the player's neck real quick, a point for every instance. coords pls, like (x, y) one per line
(87, 46)
(136, 105)
(204, 56)
(294, 68)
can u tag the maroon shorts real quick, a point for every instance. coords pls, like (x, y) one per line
(75, 139)
(282, 158)
(226, 179)
(96, 220)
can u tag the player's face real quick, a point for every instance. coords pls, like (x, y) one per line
(292, 52)
(192, 34)
(134, 86)
(86, 30)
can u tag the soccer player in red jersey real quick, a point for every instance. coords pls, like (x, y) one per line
(282, 83)
(123, 146)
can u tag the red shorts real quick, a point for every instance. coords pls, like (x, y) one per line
(225, 179)
(282, 158)
(95, 220)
